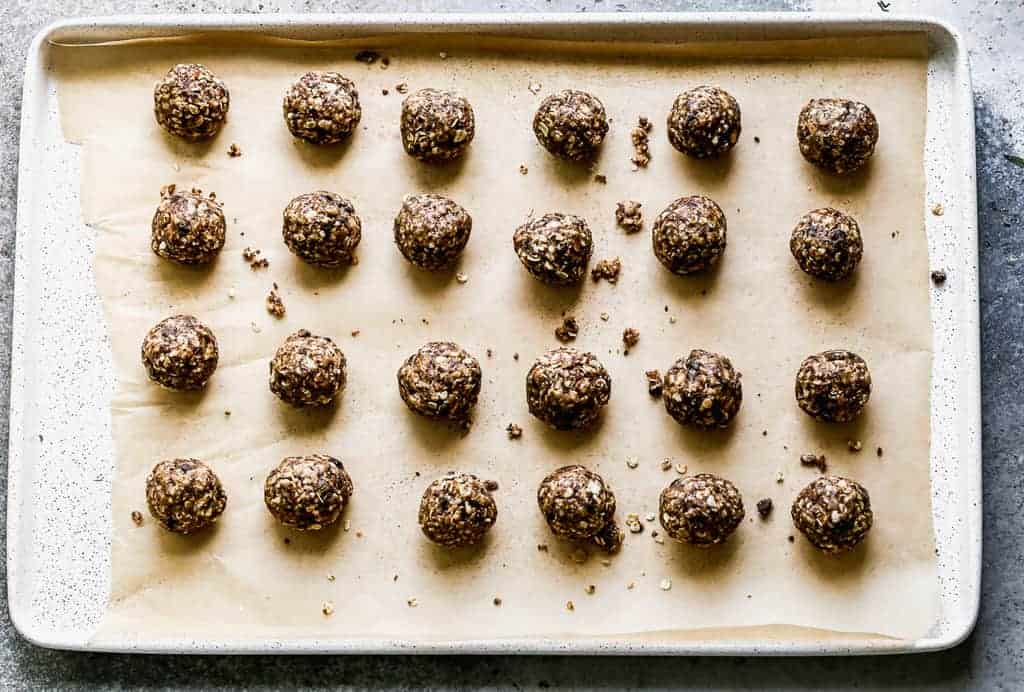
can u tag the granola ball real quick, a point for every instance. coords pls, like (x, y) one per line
(180, 353)
(457, 510)
(184, 495)
(833, 386)
(437, 125)
(703, 390)
(555, 248)
(704, 122)
(576, 503)
(834, 513)
(441, 380)
(826, 243)
(431, 231)
(187, 227)
(701, 510)
(323, 229)
(837, 135)
(567, 388)
(689, 235)
(191, 102)
(571, 124)
(322, 108)
(307, 370)
(307, 493)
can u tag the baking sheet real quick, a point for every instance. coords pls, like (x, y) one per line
(242, 579)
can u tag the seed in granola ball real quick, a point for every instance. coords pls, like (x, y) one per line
(833, 386)
(441, 380)
(571, 124)
(307, 370)
(701, 510)
(187, 227)
(703, 390)
(704, 122)
(307, 493)
(837, 135)
(834, 513)
(555, 248)
(322, 108)
(184, 495)
(436, 125)
(431, 231)
(191, 102)
(826, 243)
(689, 235)
(576, 503)
(323, 229)
(457, 510)
(567, 388)
(180, 353)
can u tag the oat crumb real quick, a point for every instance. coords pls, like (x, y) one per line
(629, 216)
(630, 338)
(666, 584)
(632, 462)
(347, 525)
(570, 606)
(631, 585)
(764, 507)
(641, 149)
(600, 178)
(514, 431)
(355, 332)
(461, 278)
(815, 460)
(402, 88)
(681, 469)
(234, 151)
(330, 577)
(938, 209)
(542, 547)
(535, 87)
(633, 523)
(254, 258)
(137, 518)
(657, 537)
(607, 269)
(275, 306)
(666, 464)
(779, 477)
(854, 445)
(568, 330)
(523, 170)
(938, 276)
(412, 602)
(328, 608)
(590, 589)
(879, 452)
(604, 316)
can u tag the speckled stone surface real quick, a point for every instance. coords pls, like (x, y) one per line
(991, 659)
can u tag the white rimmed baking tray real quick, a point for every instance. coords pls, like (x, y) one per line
(59, 569)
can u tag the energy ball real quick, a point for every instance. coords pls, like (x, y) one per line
(703, 390)
(826, 243)
(436, 125)
(833, 386)
(180, 353)
(567, 388)
(322, 229)
(307, 493)
(689, 235)
(704, 122)
(837, 135)
(187, 227)
(322, 108)
(441, 380)
(184, 495)
(555, 248)
(571, 124)
(576, 503)
(431, 231)
(307, 370)
(457, 510)
(191, 102)
(834, 513)
(701, 510)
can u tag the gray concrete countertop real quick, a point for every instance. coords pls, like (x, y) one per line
(993, 658)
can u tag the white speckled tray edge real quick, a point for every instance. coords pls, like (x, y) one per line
(60, 457)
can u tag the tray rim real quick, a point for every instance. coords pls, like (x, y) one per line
(810, 23)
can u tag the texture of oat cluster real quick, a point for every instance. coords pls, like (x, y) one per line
(834, 513)
(837, 135)
(191, 102)
(833, 386)
(555, 248)
(567, 388)
(440, 380)
(578, 504)
(307, 370)
(437, 125)
(826, 243)
(431, 231)
(184, 495)
(308, 492)
(180, 353)
(323, 229)
(689, 235)
(187, 227)
(457, 510)
(322, 108)
(704, 122)
(703, 390)
(701, 510)
(571, 124)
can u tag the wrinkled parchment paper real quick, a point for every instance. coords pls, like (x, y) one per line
(249, 579)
